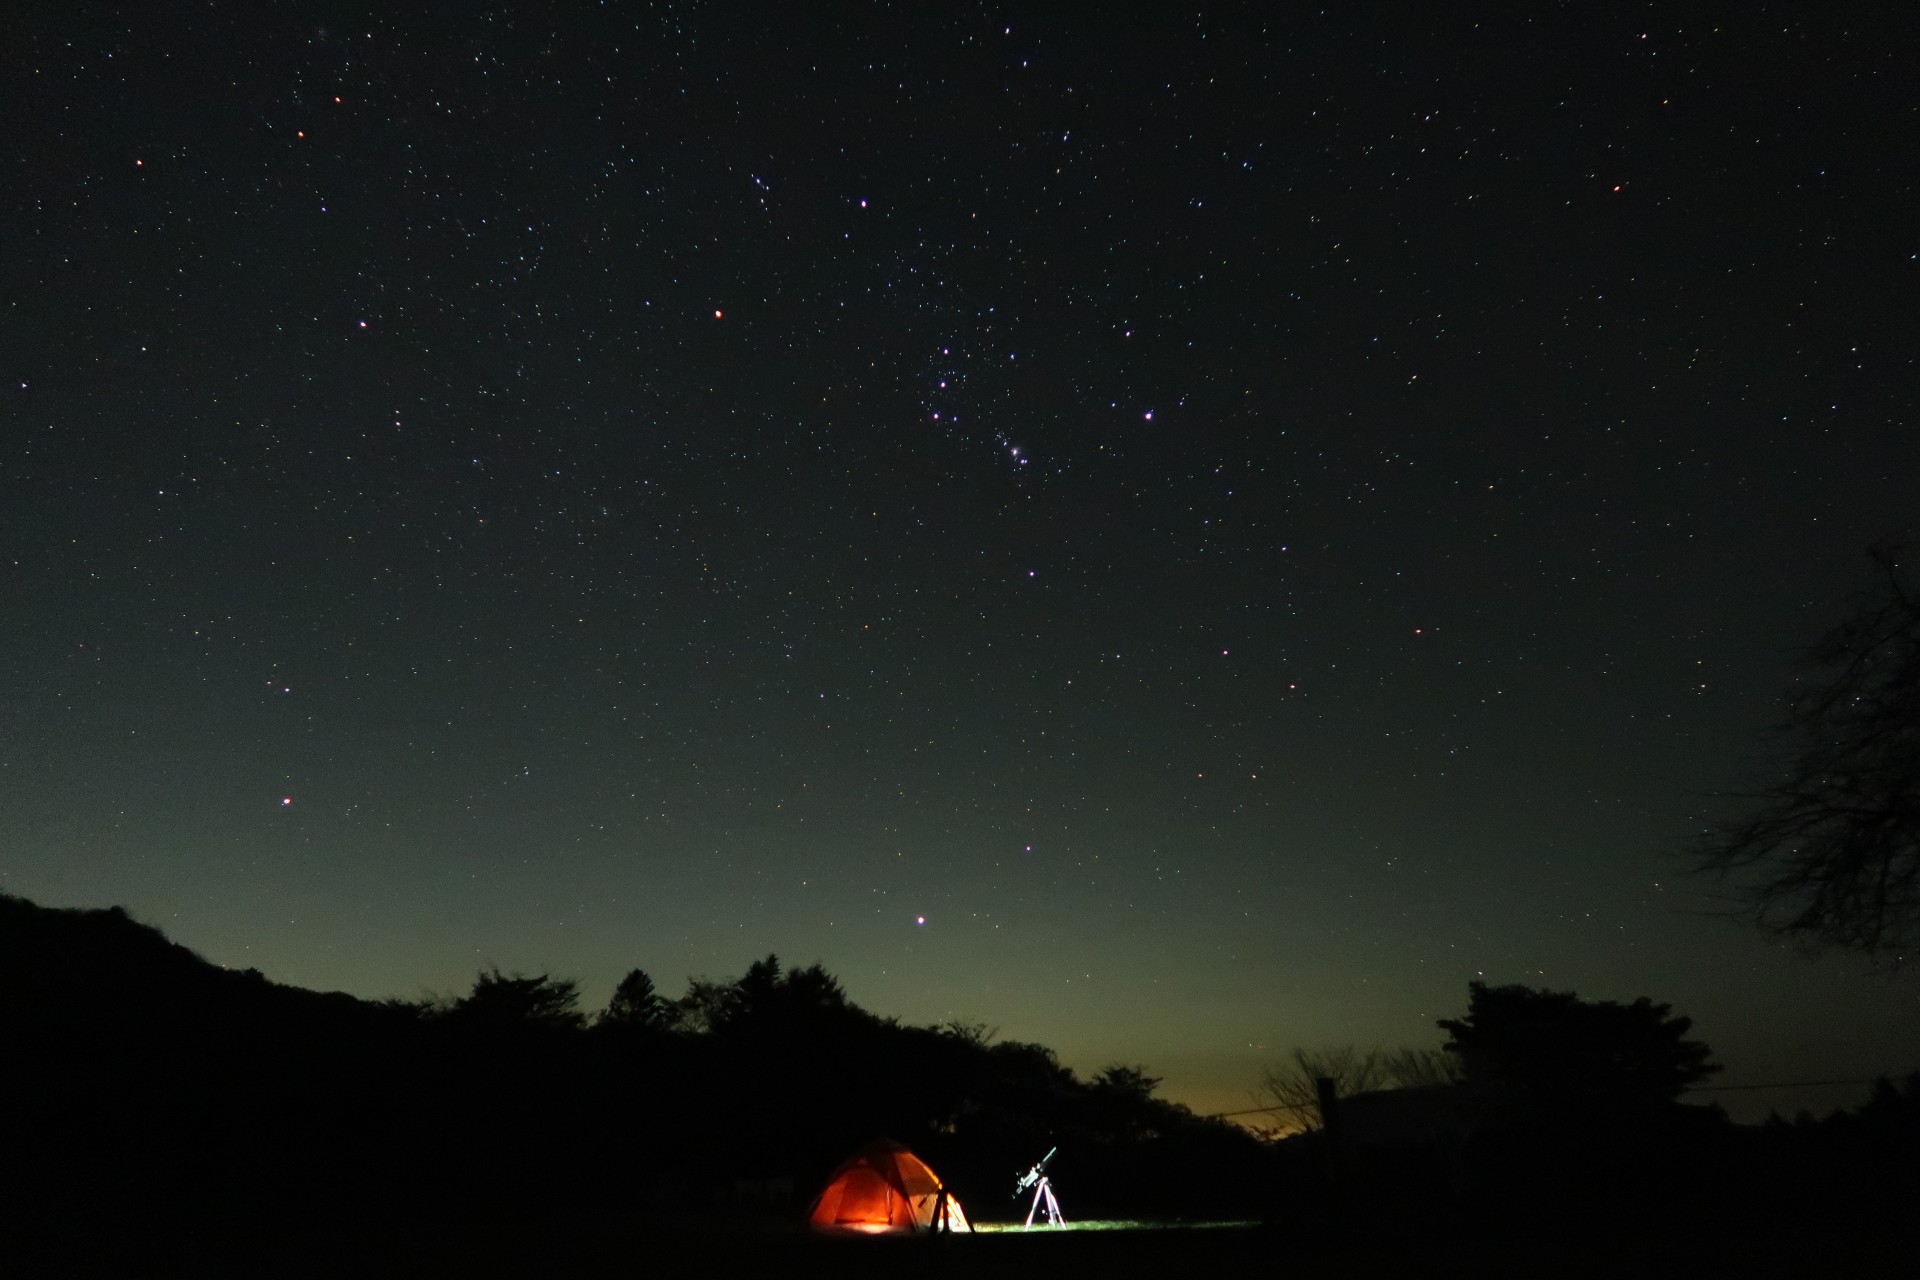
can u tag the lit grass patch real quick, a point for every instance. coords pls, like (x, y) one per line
(1106, 1224)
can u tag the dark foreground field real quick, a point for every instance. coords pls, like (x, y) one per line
(1609, 1250)
(160, 1116)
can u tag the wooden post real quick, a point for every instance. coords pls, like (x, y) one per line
(1328, 1091)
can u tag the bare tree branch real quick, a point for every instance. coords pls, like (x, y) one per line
(1833, 846)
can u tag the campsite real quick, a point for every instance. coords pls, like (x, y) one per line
(188, 1119)
(656, 638)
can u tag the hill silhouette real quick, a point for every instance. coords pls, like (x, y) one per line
(178, 1099)
(102, 971)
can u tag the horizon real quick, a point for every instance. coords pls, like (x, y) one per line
(1817, 1097)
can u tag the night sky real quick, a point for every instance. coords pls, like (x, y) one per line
(1174, 539)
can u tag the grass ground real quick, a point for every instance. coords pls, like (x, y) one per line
(1603, 1251)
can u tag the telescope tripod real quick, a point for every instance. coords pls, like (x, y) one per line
(1043, 1195)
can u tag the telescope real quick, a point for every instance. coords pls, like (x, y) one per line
(1037, 1181)
(1031, 1178)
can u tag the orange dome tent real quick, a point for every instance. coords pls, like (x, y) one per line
(886, 1188)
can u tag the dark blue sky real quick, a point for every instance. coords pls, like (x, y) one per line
(1242, 522)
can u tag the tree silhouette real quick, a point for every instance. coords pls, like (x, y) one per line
(1836, 841)
(1123, 1104)
(977, 1034)
(1294, 1085)
(1294, 1090)
(515, 1000)
(1122, 1081)
(1420, 1068)
(758, 989)
(637, 1005)
(813, 988)
(705, 1007)
(764, 998)
(1551, 1047)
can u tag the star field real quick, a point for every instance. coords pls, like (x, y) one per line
(1174, 538)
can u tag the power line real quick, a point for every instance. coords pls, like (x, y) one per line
(1692, 1088)
(1789, 1084)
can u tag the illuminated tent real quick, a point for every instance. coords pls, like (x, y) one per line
(886, 1188)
